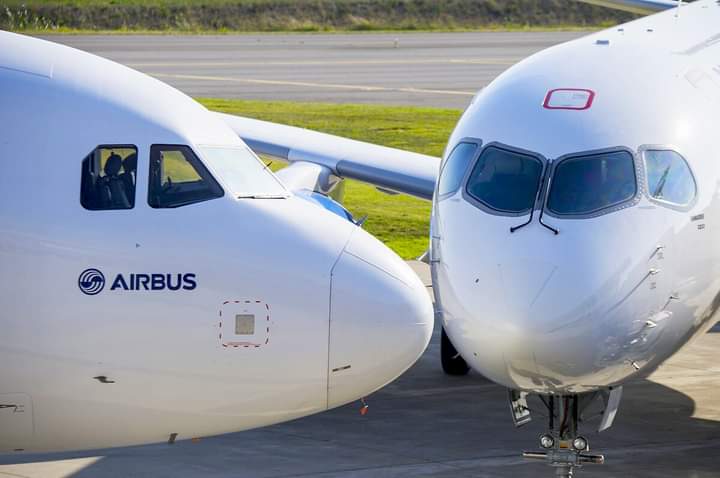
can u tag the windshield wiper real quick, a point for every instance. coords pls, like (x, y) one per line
(542, 206)
(520, 226)
(535, 201)
(538, 197)
(661, 184)
(547, 226)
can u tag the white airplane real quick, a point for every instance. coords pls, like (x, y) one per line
(571, 243)
(158, 282)
(574, 224)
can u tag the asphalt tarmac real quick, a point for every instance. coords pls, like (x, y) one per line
(426, 69)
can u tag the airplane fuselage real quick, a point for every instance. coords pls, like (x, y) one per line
(624, 283)
(167, 302)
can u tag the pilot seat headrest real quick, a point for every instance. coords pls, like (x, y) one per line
(113, 165)
(130, 163)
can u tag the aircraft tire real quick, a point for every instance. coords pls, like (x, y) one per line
(452, 362)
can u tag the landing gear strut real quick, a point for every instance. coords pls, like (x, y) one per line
(563, 448)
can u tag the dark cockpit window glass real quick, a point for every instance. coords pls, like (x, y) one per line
(669, 178)
(455, 167)
(108, 178)
(587, 184)
(178, 178)
(506, 181)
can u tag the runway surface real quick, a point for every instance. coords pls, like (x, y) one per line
(439, 69)
(427, 424)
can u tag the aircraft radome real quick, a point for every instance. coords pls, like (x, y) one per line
(574, 227)
(159, 282)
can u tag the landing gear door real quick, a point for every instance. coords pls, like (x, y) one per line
(16, 422)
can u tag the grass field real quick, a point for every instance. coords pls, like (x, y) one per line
(232, 16)
(399, 221)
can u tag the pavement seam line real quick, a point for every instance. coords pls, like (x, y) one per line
(311, 84)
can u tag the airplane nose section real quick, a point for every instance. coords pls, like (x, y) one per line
(552, 327)
(381, 319)
(512, 304)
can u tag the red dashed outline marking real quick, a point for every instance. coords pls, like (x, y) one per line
(245, 344)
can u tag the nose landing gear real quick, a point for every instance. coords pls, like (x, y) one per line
(562, 447)
(565, 455)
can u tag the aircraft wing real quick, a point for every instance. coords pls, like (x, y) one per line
(387, 168)
(635, 6)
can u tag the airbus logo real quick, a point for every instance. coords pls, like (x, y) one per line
(154, 282)
(92, 282)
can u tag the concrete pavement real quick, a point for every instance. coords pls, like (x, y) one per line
(422, 69)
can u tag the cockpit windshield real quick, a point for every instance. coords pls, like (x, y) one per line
(243, 174)
(591, 183)
(505, 181)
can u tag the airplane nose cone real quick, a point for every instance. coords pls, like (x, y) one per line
(551, 327)
(381, 319)
(512, 305)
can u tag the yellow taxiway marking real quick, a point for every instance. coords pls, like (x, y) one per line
(307, 84)
(441, 61)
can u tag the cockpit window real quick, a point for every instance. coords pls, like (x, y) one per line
(244, 175)
(590, 183)
(178, 178)
(506, 181)
(669, 178)
(455, 167)
(108, 178)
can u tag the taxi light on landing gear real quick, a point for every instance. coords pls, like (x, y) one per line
(580, 444)
(547, 441)
(561, 447)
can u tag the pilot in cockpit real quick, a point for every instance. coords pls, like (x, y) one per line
(128, 174)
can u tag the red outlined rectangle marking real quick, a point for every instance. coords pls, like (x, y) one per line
(577, 99)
